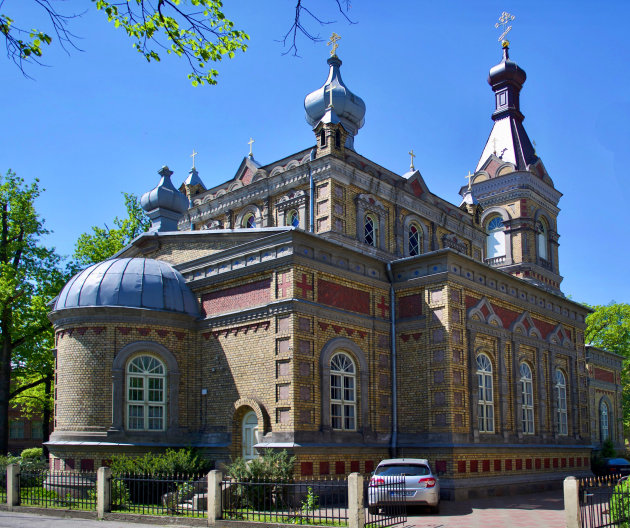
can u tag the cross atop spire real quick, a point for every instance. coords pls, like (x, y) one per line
(504, 20)
(333, 42)
(469, 177)
(411, 167)
(193, 157)
(250, 143)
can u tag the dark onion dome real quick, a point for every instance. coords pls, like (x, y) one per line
(130, 283)
(349, 108)
(506, 71)
(165, 195)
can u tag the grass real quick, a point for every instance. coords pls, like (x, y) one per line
(38, 496)
(283, 518)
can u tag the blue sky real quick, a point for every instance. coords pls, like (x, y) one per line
(95, 123)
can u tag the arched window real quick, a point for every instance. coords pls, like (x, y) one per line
(370, 230)
(486, 397)
(293, 218)
(527, 399)
(414, 240)
(322, 138)
(604, 432)
(146, 394)
(495, 240)
(541, 240)
(561, 402)
(337, 138)
(250, 435)
(249, 221)
(343, 399)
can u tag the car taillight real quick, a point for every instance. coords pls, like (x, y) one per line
(428, 482)
(377, 482)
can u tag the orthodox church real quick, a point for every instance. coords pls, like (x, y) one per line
(326, 305)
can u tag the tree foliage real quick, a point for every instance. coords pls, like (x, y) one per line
(30, 276)
(104, 242)
(608, 327)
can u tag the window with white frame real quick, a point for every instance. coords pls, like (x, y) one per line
(541, 240)
(495, 238)
(370, 230)
(603, 421)
(561, 402)
(343, 398)
(485, 394)
(413, 240)
(527, 399)
(249, 221)
(146, 394)
(293, 218)
(250, 435)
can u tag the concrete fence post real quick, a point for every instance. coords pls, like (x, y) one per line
(356, 507)
(13, 485)
(215, 478)
(103, 491)
(572, 503)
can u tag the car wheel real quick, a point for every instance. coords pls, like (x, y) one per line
(373, 510)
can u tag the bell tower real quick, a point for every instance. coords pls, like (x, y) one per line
(519, 200)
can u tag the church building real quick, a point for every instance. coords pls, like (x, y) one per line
(329, 306)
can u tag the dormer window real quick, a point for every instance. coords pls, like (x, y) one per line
(249, 221)
(495, 240)
(370, 230)
(293, 218)
(414, 240)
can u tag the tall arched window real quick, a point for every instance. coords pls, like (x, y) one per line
(249, 221)
(561, 402)
(322, 138)
(604, 432)
(337, 138)
(486, 396)
(343, 399)
(250, 435)
(370, 230)
(413, 241)
(527, 399)
(146, 394)
(495, 240)
(541, 240)
(293, 218)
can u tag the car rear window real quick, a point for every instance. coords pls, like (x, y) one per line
(411, 470)
(618, 462)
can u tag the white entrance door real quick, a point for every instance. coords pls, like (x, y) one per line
(250, 435)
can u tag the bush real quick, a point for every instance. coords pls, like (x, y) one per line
(185, 461)
(620, 505)
(608, 449)
(33, 452)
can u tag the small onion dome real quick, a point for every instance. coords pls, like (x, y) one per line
(349, 108)
(506, 71)
(130, 283)
(165, 195)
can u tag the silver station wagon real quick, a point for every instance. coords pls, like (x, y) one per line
(421, 487)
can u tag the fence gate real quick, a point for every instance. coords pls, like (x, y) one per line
(603, 503)
(385, 503)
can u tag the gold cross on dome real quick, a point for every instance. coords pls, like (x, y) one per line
(250, 143)
(469, 178)
(411, 167)
(193, 157)
(504, 20)
(333, 42)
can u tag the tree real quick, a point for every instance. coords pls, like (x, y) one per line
(608, 327)
(104, 242)
(196, 30)
(30, 276)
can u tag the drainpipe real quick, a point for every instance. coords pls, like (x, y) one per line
(392, 313)
(311, 193)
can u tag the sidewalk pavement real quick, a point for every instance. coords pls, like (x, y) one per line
(521, 511)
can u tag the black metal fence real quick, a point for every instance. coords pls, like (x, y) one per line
(49, 489)
(294, 501)
(3, 487)
(604, 501)
(386, 502)
(185, 495)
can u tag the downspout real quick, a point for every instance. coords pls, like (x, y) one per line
(311, 187)
(392, 313)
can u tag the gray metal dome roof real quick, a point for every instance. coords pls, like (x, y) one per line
(132, 283)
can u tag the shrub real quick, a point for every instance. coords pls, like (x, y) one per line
(608, 449)
(620, 505)
(33, 452)
(173, 461)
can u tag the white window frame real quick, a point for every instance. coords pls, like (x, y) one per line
(145, 412)
(292, 218)
(417, 234)
(343, 393)
(249, 435)
(542, 240)
(527, 399)
(560, 387)
(495, 238)
(370, 230)
(249, 221)
(485, 394)
(604, 421)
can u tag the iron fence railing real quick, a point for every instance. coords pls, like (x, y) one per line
(3, 487)
(604, 501)
(295, 501)
(49, 489)
(386, 502)
(160, 494)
